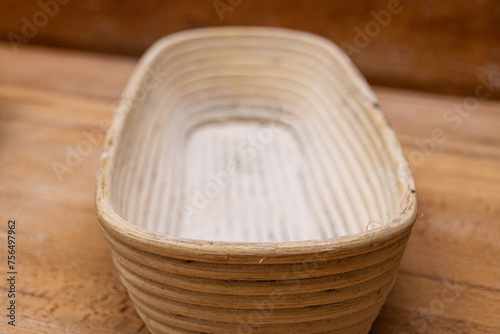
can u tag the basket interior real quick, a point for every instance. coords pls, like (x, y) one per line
(252, 138)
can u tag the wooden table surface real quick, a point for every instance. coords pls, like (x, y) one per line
(54, 108)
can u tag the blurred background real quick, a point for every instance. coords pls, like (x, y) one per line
(442, 46)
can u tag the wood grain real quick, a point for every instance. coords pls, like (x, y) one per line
(68, 283)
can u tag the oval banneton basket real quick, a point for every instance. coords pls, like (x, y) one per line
(250, 184)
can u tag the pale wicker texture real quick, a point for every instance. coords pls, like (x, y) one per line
(305, 236)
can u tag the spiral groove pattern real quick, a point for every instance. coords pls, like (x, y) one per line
(250, 184)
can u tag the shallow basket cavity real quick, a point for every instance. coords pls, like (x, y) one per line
(238, 154)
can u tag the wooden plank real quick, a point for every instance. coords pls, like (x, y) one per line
(54, 143)
(439, 47)
(68, 283)
(82, 72)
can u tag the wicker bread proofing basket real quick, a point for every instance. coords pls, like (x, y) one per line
(304, 236)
